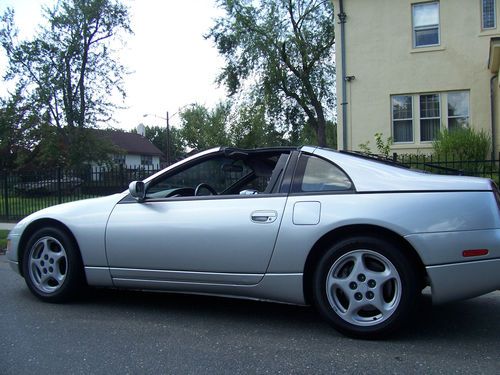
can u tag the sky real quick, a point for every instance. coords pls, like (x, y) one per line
(171, 64)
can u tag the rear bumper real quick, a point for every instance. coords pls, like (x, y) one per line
(457, 281)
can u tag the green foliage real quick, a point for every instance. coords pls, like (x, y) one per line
(307, 135)
(76, 148)
(463, 144)
(17, 122)
(282, 53)
(3, 239)
(158, 136)
(383, 147)
(365, 147)
(67, 73)
(202, 128)
(251, 129)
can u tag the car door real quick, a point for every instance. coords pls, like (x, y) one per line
(226, 238)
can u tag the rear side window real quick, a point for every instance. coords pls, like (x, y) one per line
(314, 174)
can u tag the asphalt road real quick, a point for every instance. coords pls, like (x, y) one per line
(117, 332)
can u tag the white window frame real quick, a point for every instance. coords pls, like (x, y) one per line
(494, 16)
(429, 118)
(444, 118)
(426, 27)
(394, 121)
(458, 116)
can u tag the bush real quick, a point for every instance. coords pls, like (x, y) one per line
(464, 144)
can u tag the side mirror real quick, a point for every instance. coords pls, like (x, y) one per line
(137, 190)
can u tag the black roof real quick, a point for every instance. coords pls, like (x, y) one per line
(131, 143)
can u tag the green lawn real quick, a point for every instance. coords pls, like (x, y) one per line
(3, 238)
(20, 207)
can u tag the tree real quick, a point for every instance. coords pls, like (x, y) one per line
(68, 70)
(282, 51)
(157, 135)
(17, 132)
(202, 128)
(250, 128)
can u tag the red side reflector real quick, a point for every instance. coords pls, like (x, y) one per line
(475, 252)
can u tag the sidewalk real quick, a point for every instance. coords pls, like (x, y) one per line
(7, 226)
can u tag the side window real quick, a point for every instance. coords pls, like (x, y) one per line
(240, 174)
(314, 174)
(219, 173)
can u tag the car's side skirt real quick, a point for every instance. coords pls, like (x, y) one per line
(282, 287)
(187, 276)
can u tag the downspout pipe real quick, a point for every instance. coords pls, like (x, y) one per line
(342, 20)
(492, 114)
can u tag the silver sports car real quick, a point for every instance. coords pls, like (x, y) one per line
(357, 238)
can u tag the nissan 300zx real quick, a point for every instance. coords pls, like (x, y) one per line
(357, 238)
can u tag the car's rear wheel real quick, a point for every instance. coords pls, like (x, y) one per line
(366, 287)
(52, 266)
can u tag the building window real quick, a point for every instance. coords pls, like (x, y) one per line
(146, 160)
(458, 110)
(402, 118)
(488, 14)
(430, 117)
(432, 112)
(119, 159)
(425, 24)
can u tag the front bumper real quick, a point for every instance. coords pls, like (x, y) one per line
(12, 251)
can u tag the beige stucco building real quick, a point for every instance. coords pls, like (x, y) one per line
(413, 67)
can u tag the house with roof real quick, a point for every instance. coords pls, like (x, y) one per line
(138, 151)
(410, 68)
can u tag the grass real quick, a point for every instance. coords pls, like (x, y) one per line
(20, 207)
(3, 238)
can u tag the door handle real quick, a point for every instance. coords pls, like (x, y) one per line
(264, 217)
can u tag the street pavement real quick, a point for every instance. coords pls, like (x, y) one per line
(122, 332)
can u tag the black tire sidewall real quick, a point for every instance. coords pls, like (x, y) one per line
(74, 271)
(396, 256)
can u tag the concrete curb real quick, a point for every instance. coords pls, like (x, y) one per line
(7, 226)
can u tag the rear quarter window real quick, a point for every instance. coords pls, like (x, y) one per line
(314, 174)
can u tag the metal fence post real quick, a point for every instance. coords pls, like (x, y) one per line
(6, 195)
(59, 192)
(122, 175)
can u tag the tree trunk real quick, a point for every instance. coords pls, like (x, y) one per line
(321, 132)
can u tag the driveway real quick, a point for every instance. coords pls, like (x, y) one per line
(118, 332)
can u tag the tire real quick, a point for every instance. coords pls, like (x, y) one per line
(52, 266)
(365, 287)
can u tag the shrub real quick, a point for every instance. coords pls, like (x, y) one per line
(383, 147)
(464, 144)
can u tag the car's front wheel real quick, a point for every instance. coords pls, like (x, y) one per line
(366, 287)
(52, 265)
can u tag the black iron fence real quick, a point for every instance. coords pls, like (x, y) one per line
(489, 168)
(25, 192)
